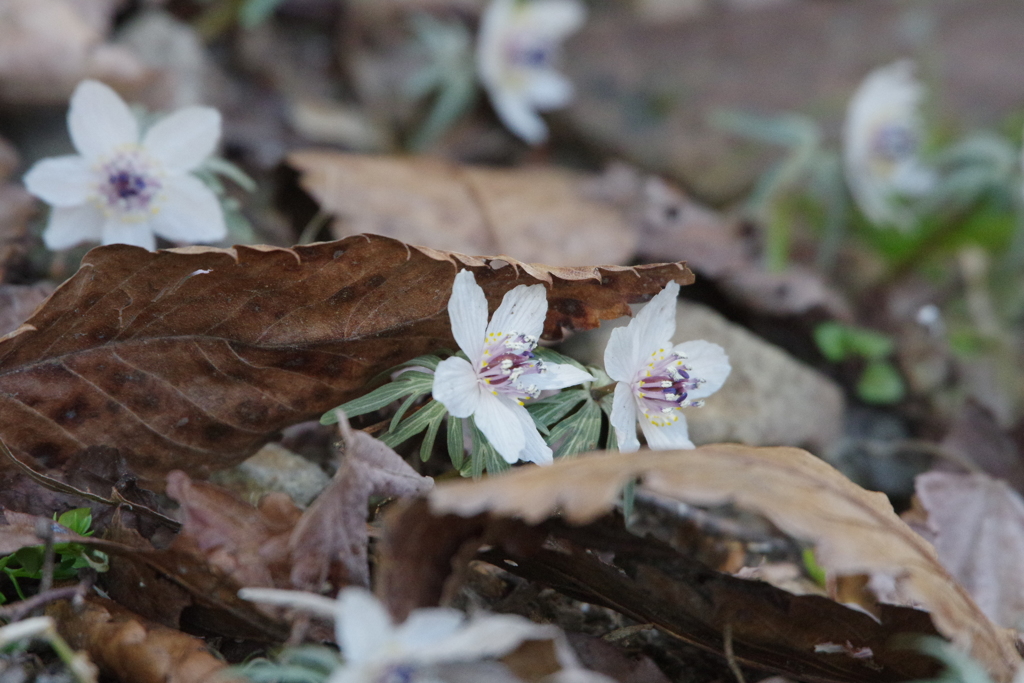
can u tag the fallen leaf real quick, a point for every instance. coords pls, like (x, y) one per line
(48, 46)
(248, 544)
(852, 530)
(978, 441)
(649, 582)
(193, 358)
(531, 214)
(132, 650)
(333, 530)
(978, 523)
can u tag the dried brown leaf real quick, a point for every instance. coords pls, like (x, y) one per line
(979, 534)
(532, 214)
(132, 650)
(276, 544)
(650, 582)
(333, 530)
(191, 359)
(853, 531)
(247, 543)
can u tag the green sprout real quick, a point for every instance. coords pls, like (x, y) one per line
(880, 382)
(27, 562)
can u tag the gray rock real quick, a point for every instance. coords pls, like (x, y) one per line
(770, 398)
(275, 468)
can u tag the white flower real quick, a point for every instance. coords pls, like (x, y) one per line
(656, 380)
(518, 42)
(881, 146)
(376, 650)
(501, 371)
(120, 190)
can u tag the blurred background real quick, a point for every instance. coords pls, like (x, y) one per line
(876, 332)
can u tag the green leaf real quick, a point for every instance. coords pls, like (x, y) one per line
(881, 384)
(408, 383)
(548, 411)
(229, 170)
(423, 418)
(868, 343)
(611, 442)
(838, 342)
(831, 340)
(628, 499)
(254, 12)
(427, 447)
(814, 570)
(78, 520)
(578, 433)
(456, 444)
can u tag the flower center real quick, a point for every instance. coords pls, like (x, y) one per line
(128, 184)
(396, 673)
(894, 142)
(508, 363)
(663, 385)
(527, 51)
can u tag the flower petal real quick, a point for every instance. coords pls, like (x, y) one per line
(184, 139)
(536, 449)
(553, 19)
(709, 362)
(621, 358)
(136, 233)
(672, 436)
(522, 311)
(99, 121)
(467, 310)
(60, 181)
(489, 635)
(559, 376)
(425, 627)
(498, 421)
(517, 115)
(189, 212)
(623, 418)
(546, 89)
(457, 387)
(362, 625)
(69, 226)
(656, 322)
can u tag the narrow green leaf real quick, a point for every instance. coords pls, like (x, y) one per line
(414, 425)
(402, 410)
(375, 400)
(427, 447)
(628, 499)
(550, 410)
(456, 445)
(578, 433)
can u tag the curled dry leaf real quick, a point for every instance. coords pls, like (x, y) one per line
(533, 214)
(650, 582)
(192, 358)
(853, 531)
(278, 545)
(131, 650)
(333, 530)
